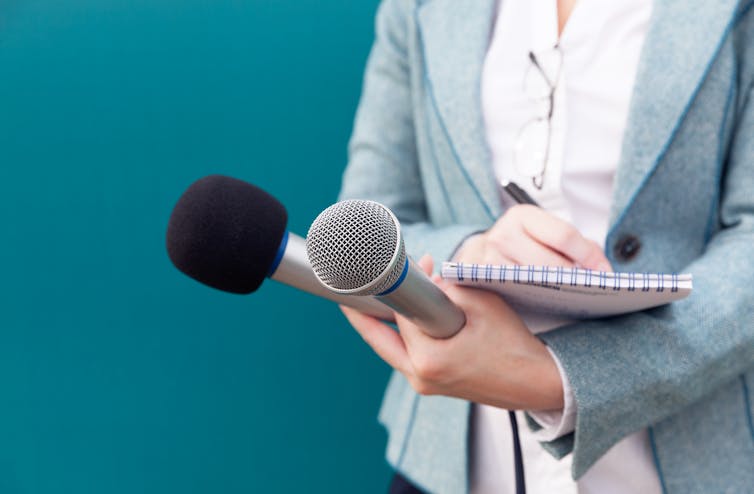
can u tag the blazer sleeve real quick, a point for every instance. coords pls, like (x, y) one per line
(633, 371)
(383, 160)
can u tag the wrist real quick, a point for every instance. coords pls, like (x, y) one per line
(554, 383)
(545, 377)
(559, 422)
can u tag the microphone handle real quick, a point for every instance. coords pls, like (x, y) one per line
(296, 271)
(421, 301)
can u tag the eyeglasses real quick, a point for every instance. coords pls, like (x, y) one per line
(532, 148)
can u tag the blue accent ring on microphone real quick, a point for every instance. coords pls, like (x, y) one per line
(279, 255)
(398, 282)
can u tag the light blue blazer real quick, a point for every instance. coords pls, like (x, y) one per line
(684, 189)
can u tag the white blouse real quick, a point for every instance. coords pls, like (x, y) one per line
(593, 70)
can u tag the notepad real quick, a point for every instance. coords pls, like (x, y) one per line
(572, 292)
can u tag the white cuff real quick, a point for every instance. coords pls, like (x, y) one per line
(557, 423)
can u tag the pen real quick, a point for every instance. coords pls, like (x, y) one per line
(516, 193)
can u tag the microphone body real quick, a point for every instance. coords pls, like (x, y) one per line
(356, 249)
(421, 301)
(294, 270)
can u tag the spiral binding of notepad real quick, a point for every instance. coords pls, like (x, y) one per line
(559, 276)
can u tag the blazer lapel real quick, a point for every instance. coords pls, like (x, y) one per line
(455, 35)
(683, 39)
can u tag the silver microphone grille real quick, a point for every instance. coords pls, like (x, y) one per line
(356, 247)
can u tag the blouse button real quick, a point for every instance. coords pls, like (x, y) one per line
(627, 248)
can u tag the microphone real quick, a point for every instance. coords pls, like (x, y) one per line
(231, 235)
(356, 248)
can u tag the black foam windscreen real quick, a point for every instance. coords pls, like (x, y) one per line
(225, 233)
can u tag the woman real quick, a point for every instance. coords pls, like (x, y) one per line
(630, 124)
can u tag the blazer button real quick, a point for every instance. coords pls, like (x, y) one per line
(627, 248)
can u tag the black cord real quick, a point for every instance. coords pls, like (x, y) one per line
(518, 457)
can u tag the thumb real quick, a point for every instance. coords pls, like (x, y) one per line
(595, 259)
(426, 263)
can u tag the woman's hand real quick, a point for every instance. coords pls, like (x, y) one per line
(527, 234)
(494, 359)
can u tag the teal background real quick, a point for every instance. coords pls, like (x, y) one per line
(117, 373)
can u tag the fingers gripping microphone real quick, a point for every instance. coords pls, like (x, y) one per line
(231, 235)
(356, 248)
